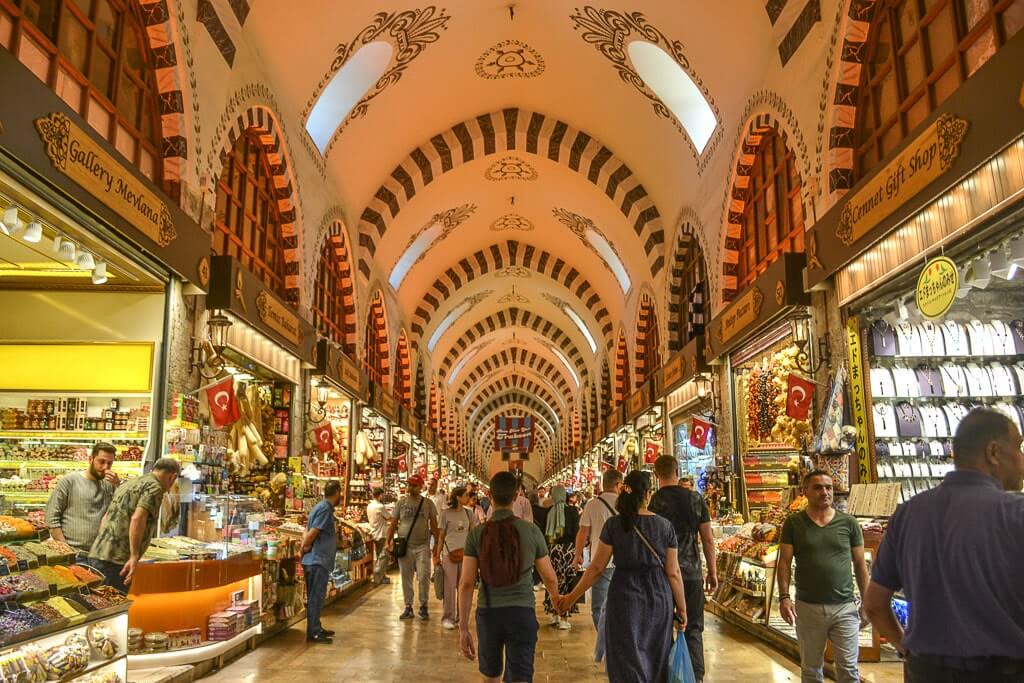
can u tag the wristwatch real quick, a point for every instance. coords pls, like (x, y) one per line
(785, 597)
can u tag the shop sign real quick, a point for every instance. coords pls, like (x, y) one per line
(742, 313)
(637, 402)
(858, 402)
(936, 287)
(349, 374)
(921, 162)
(278, 317)
(74, 153)
(387, 403)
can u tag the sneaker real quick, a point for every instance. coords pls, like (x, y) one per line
(564, 625)
(555, 619)
(407, 614)
(448, 624)
(320, 638)
(424, 614)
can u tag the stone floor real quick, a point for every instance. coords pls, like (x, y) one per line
(373, 646)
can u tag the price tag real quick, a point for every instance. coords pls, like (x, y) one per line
(4, 569)
(22, 565)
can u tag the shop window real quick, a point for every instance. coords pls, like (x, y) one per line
(773, 215)
(94, 55)
(919, 52)
(331, 311)
(248, 222)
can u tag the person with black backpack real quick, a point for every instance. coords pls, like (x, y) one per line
(504, 552)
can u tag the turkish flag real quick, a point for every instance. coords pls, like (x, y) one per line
(621, 467)
(590, 475)
(422, 471)
(799, 395)
(699, 431)
(223, 404)
(651, 452)
(324, 437)
(402, 467)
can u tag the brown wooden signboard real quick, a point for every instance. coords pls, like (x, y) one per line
(771, 295)
(682, 367)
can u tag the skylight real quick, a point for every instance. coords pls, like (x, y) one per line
(447, 322)
(568, 366)
(603, 248)
(676, 90)
(345, 90)
(412, 254)
(461, 364)
(584, 330)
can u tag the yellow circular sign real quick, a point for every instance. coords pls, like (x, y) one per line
(936, 287)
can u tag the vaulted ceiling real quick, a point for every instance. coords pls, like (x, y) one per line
(511, 182)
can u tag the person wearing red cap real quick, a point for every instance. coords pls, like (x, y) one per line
(415, 520)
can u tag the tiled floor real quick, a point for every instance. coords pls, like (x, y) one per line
(373, 646)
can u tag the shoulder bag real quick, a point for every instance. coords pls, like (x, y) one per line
(402, 544)
(455, 556)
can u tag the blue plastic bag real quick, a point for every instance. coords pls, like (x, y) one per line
(682, 668)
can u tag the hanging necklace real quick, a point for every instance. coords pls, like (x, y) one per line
(953, 328)
(929, 333)
(1001, 334)
(906, 413)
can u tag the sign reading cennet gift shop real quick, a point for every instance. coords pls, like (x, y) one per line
(75, 154)
(936, 287)
(514, 434)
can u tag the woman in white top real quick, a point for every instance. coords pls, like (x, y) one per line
(455, 523)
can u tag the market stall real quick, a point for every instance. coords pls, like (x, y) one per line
(373, 442)
(763, 337)
(645, 413)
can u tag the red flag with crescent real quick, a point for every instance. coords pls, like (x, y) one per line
(799, 395)
(651, 452)
(324, 437)
(422, 471)
(223, 404)
(699, 431)
(402, 466)
(621, 467)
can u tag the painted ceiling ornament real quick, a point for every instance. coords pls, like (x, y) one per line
(581, 225)
(449, 219)
(513, 297)
(514, 271)
(408, 31)
(510, 168)
(610, 32)
(510, 59)
(512, 221)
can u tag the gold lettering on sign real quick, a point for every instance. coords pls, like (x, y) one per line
(636, 401)
(79, 157)
(277, 317)
(858, 395)
(742, 313)
(673, 371)
(387, 404)
(349, 373)
(924, 160)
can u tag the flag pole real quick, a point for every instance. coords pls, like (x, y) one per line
(207, 386)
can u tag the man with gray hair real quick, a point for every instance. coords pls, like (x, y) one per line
(955, 552)
(130, 523)
(597, 511)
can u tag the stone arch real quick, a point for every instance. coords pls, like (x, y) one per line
(623, 383)
(332, 232)
(516, 383)
(377, 345)
(686, 310)
(648, 339)
(753, 130)
(497, 257)
(520, 356)
(514, 317)
(262, 121)
(527, 403)
(511, 130)
(403, 370)
(607, 398)
(420, 405)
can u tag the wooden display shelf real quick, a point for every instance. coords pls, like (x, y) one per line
(93, 435)
(747, 591)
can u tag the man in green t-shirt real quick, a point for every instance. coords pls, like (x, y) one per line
(828, 546)
(506, 616)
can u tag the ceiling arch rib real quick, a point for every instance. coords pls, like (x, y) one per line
(544, 413)
(521, 374)
(519, 384)
(513, 318)
(497, 257)
(518, 356)
(514, 130)
(485, 444)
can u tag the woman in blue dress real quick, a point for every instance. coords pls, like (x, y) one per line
(645, 587)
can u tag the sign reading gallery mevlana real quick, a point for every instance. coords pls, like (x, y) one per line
(75, 154)
(924, 160)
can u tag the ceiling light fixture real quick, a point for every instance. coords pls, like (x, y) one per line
(11, 222)
(999, 264)
(85, 260)
(978, 274)
(64, 248)
(33, 233)
(99, 273)
(1017, 251)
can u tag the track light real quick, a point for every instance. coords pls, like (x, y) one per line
(64, 248)
(99, 273)
(998, 263)
(1017, 251)
(979, 274)
(965, 287)
(11, 221)
(33, 233)
(85, 261)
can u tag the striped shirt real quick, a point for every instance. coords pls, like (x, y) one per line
(76, 507)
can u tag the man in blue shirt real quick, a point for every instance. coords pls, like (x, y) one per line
(319, 546)
(956, 554)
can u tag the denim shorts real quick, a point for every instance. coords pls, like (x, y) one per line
(506, 635)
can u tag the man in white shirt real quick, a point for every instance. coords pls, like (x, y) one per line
(438, 497)
(598, 510)
(377, 516)
(521, 507)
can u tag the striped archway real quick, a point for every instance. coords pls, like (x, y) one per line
(517, 382)
(607, 398)
(377, 345)
(648, 340)
(260, 121)
(403, 371)
(513, 130)
(336, 255)
(756, 128)
(497, 257)
(509, 318)
(518, 356)
(420, 406)
(687, 285)
(623, 384)
(520, 399)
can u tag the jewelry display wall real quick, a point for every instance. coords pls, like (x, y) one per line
(924, 378)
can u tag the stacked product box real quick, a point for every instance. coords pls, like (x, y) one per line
(224, 625)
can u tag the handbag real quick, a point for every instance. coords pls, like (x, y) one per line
(402, 544)
(438, 579)
(455, 556)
